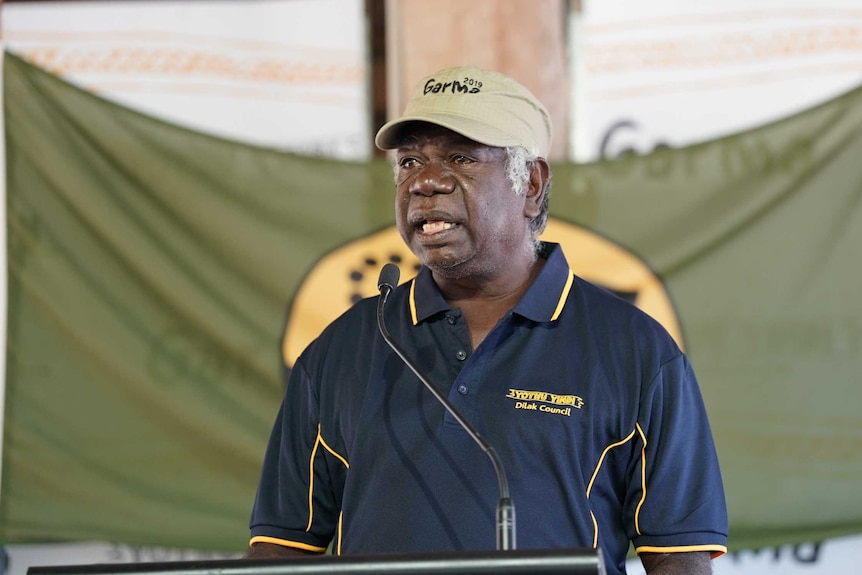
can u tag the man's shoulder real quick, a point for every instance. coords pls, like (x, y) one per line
(614, 312)
(604, 298)
(355, 325)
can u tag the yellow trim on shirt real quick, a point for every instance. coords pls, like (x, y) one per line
(311, 480)
(643, 479)
(413, 302)
(332, 451)
(602, 459)
(717, 550)
(285, 543)
(563, 296)
(318, 441)
(340, 530)
(593, 479)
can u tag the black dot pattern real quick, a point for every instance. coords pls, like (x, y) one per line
(372, 265)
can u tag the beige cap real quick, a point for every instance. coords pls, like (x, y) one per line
(482, 105)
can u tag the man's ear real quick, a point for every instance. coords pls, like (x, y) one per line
(537, 187)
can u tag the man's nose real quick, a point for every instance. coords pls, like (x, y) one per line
(434, 178)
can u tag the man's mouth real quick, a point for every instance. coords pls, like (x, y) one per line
(435, 226)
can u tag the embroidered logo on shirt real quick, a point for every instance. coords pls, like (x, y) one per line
(545, 402)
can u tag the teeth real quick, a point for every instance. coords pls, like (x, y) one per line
(430, 227)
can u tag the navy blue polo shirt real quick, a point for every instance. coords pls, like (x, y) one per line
(592, 408)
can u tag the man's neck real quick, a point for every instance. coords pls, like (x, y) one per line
(484, 302)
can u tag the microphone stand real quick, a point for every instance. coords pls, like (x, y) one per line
(505, 508)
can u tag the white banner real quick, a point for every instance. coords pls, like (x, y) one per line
(285, 74)
(676, 72)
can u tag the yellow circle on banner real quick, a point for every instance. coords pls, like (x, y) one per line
(350, 273)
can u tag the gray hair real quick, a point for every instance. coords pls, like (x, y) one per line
(519, 163)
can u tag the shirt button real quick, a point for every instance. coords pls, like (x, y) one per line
(450, 319)
(461, 354)
(462, 389)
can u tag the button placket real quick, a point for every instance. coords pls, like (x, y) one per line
(461, 391)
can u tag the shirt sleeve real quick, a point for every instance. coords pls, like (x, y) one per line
(295, 505)
(675, 497)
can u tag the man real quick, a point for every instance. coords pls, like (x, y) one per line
(592, 408)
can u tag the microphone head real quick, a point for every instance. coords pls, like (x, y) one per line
(389, 276)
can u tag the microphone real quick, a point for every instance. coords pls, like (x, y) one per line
(387, 281)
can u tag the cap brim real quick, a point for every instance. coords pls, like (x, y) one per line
(390, 135)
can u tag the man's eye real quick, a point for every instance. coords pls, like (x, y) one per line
(461, 159)
(406, 162)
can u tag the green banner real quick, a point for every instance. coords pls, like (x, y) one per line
(152, 271)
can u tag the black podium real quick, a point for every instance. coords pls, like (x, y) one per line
(515, 562)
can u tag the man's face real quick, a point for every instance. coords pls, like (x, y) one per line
(455, 207)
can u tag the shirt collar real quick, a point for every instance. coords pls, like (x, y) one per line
(543, 300)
